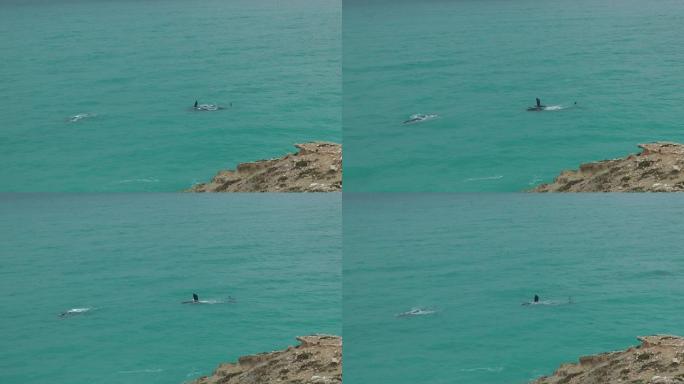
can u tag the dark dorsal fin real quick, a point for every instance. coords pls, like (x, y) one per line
(195, 297)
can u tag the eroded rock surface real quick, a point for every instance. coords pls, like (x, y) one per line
(316, 167)
(658, 360)
(658, 168)
(316, 360)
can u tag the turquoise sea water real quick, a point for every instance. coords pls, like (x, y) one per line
(479, 64)
(133, 258)
(474, 259)
(138, 66)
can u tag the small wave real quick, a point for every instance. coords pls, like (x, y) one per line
(657, 272)
(416, 312)
(79, 117)
(136, 371)
(554, 108)
(127, 181)
(485, 178)
(486, 369)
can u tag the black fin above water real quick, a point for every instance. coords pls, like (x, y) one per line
(195, 300)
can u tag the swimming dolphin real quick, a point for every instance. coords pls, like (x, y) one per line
(416, 312)
(537, 301)
(538, 107)
(418, 117)
(74, 312)
(205, 107)
(195, 300)
(78, 117)
(413, 119)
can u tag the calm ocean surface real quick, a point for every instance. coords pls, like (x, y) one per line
(479, 64)
(133, 258)
(474, 259)
(136, 67)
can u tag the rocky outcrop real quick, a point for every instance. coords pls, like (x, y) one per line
(316, 360)
(658, 360)
(658, 168)
(317, 167)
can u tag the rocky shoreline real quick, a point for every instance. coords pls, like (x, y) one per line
(658, 168)
(316, 360)
(316, 167)
(657, 360)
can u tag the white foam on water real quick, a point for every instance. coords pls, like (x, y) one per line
(535, 180)
(207, 107)
(211, 301)
(548, 302)
(78, 310)
(75, 311)
(195, 372)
